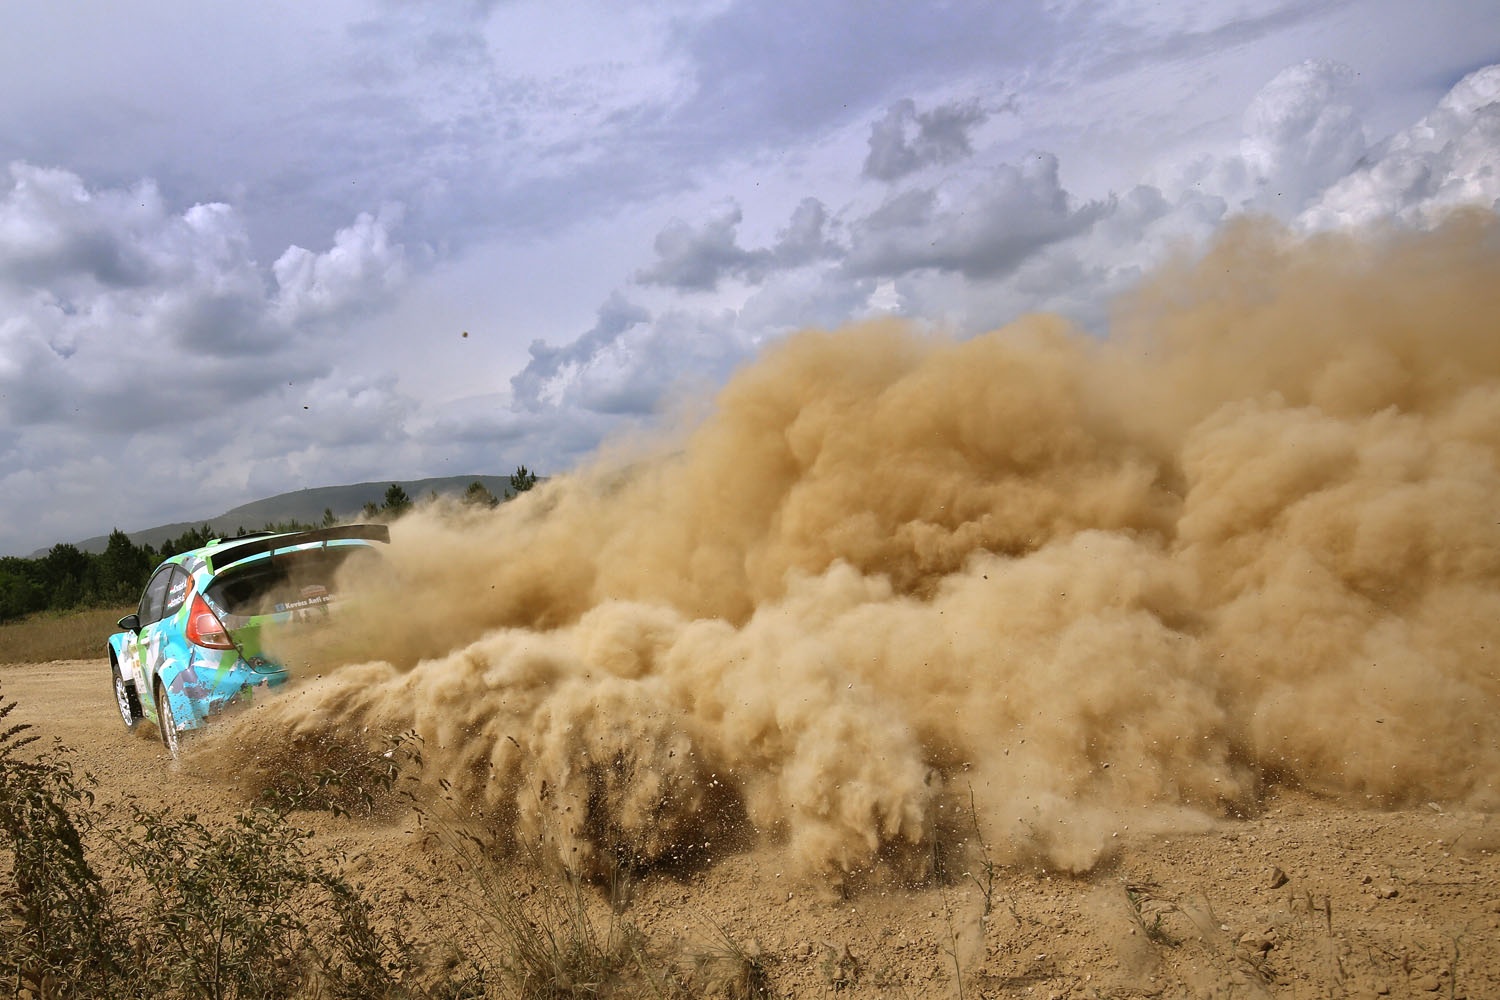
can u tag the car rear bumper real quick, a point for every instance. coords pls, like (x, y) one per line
(216, 680)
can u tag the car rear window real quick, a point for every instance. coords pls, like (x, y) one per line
(298, 581)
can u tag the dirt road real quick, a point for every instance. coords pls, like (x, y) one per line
(1307, 899)
(70, 700)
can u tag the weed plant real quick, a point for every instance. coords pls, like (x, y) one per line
(229, 911)
(59, 935)
(150, 902)
(727, 968)
(551, 938)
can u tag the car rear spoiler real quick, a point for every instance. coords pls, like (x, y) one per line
(238, 553)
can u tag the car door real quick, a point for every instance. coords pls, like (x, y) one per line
(153, 598)
(159, 604)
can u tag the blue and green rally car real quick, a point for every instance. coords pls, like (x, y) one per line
(195, 644)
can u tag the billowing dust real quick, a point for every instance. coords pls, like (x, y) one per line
(1253, 538)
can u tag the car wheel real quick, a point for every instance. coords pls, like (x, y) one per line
(166, 722)
(125, 699)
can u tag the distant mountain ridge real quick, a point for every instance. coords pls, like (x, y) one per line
(303, 505)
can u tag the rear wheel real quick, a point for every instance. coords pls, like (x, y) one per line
(166, 722)
(129, 705)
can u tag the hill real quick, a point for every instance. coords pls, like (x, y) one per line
(302, 505)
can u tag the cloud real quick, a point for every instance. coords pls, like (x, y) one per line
(1302, 132)
(256, 253)
(626, 362)
(775, 73)
(680, 351)
(1447, 158)
(107, 294)
(982, 233)
(53, 230)
(362, 264)
(537, 384)
(110, 297)
(807, 236)
(696, 258)
(982, 243)
(906, 140)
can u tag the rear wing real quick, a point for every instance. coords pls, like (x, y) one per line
(244, 550)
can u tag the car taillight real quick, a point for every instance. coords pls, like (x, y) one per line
(204, 627)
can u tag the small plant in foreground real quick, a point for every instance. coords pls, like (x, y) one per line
(545, 941)
(247, 909)
(985, 880)
(232, 911)
(840, 967)
(58, 933)
(730, 969)
(1136, 894)
(242, 910)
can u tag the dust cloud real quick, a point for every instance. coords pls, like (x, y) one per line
(1088, 585)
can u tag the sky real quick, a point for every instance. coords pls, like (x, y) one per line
(251, 248)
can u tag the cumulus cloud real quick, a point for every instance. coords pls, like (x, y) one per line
(963, 234)
(982, 233)
(131, 329)
(54, 231)
(102, 288)
(906, 140)
(362, 263)
(636, 372)
(1302, 132)
(807, 236)
(696, 258)
(819, 269)
(629, 360)
(977, 246)
(539, 382)
(1451, 157)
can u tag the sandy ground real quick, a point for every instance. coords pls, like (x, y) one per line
(1307, 899)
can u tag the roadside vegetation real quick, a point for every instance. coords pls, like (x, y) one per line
(59, 635)
(106, 900)
(70, 579)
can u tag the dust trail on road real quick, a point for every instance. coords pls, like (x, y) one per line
(1253, 538)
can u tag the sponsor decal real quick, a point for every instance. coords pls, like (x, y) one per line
(312, 596)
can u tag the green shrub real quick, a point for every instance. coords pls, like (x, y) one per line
(246, 909)
(59, 935)
(237, 910)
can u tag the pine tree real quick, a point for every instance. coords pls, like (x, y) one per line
(121, 569)
(522, 479)
(477, 495)
(396, 501)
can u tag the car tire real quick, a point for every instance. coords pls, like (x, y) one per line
(125, 698)
(167, 723)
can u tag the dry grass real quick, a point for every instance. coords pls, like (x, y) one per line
(59, 635)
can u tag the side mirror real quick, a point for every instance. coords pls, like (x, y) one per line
(131, 622)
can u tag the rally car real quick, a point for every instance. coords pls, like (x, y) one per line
(195, 646)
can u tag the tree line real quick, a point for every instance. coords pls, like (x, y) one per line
(68, 578)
